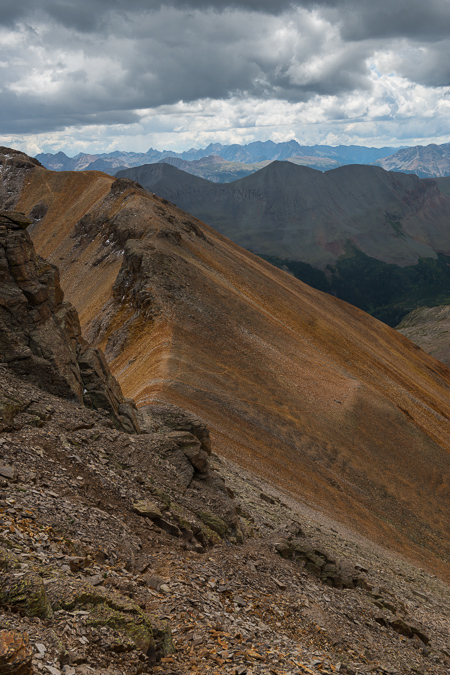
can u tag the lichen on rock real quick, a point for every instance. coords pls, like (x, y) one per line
(25, 592)
(107, 608)
(16, 653)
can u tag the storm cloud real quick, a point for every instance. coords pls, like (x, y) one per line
(118, 69)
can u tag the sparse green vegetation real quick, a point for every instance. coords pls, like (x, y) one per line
(214, 523)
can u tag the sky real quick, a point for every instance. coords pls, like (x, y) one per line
(103, 75)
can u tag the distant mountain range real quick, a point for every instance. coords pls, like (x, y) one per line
(425, 161)
(219, 170)
(377, 239)
(226, 163)
(319, 156)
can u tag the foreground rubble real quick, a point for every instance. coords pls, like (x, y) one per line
(100, 587)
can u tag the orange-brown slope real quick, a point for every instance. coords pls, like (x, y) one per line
(327, 402)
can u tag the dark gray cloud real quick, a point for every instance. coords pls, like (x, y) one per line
(89, 15)
(399, 18)
(79, 63)
(39, 116)
(161, 58)
(358, 19)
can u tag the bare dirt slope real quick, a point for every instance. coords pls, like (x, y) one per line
(326, 403)
(429, 327)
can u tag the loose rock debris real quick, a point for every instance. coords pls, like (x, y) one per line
(96, 580)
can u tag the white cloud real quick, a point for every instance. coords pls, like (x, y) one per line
(115, 75)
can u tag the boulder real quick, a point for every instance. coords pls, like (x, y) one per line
(147, 509)
(26, 593)
(408, 630)
(16, 653)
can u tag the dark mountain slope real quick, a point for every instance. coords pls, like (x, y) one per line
(213, 168)
(294, 212)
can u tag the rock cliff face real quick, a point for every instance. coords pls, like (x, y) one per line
(15, 166)
(40, 334)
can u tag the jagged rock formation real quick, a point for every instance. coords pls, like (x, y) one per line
(336, 573)
(14, 168)
(190, 436)
(40, 334)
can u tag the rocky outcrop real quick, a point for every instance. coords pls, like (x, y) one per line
(14, 167)
(187, 445)
(336, 573)
(172, 418)
(40, 334)
(189, 438)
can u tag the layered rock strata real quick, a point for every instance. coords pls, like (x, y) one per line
(40, 334)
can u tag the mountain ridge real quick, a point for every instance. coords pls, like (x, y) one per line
(356, 198)
(251, 153)
(295, 385)
(429, 161)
